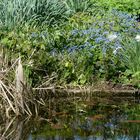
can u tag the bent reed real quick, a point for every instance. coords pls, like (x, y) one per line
(15, 96)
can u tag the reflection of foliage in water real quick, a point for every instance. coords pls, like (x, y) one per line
(80, 118)
(15, 129)
(93, 118)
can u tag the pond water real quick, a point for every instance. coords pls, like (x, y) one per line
(79, 118)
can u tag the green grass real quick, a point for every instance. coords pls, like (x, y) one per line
(131, 59)
(17, 12)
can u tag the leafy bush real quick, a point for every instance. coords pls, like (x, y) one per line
(82, 50)
(87, 31)
(130, 6)
(95, 41)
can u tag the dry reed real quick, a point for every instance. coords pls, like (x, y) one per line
(15, 98)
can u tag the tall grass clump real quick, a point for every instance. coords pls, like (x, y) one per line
(74, 6)
(131, 59)
(18, 12)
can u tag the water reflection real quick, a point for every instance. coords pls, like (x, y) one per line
(15, 129)
(79, 118)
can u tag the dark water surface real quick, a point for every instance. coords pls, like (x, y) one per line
(80, 118)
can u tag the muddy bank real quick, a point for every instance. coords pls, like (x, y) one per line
(96, 90)
(35, 99)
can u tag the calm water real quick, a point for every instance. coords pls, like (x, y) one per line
(79, 118)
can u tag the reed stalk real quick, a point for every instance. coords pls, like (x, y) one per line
(19, 78)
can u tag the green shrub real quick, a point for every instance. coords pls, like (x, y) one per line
(82, 50)
(130, 6)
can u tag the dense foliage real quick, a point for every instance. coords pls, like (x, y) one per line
(130, 6)
(72, 41)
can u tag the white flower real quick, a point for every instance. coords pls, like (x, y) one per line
(137, 38)
(116, 50)
(111, 37)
